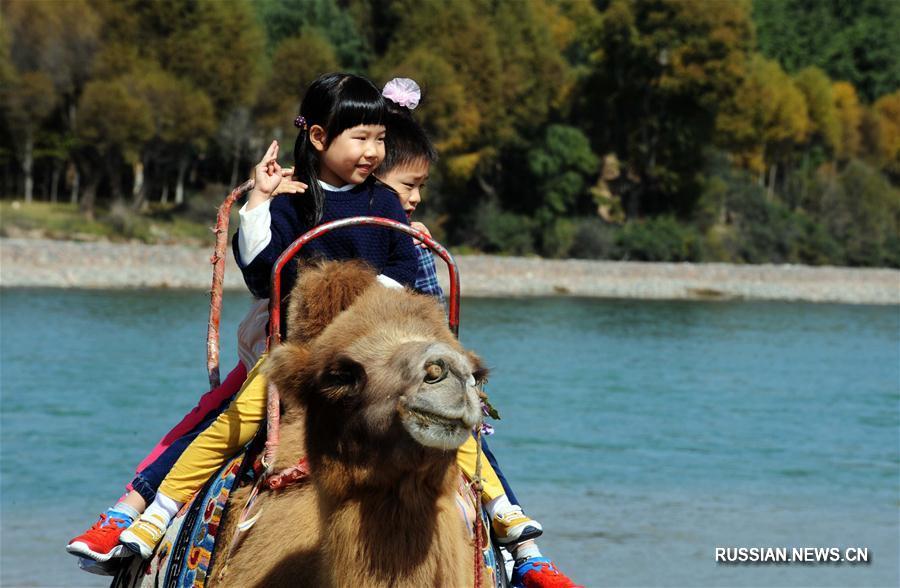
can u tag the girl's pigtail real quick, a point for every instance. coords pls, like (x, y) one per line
(305, 166)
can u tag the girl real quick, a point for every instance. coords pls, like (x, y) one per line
(340, 143)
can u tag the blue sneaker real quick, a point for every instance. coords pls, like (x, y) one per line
(539, 572)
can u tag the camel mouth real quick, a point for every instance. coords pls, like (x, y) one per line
(434, 430)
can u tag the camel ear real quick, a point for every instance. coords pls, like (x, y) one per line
(287, 368)
(479, 371)
(342, 379)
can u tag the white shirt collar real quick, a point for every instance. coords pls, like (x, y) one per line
(327, 186)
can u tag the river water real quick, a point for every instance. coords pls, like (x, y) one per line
(643, 435)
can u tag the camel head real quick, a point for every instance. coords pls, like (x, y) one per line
(378, 373)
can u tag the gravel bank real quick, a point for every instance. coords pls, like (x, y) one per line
(69, 264)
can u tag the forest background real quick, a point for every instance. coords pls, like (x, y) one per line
(661, 130)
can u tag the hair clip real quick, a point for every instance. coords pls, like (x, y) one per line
(403, 91)
(300, 122)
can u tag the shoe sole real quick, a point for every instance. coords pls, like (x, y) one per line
(529, 532)
(99, 568)
(136, 547)
(81, 549)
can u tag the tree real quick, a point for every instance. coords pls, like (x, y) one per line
(42, 39)
(854, 41)
(561, 165)
(886, 119)
(849, 114)
(825, 126)
(26, 100)
(659, 71)
(114, 120)
(286, 19)
(764, 120)
(297, 62)
(182, 121)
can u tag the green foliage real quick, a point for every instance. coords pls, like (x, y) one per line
(287, 19)
(658, 73)
(659, 239)
(561, 164)
(558, 237)
(113, 116)
(862, 211)
(855, 41)
(742, 224)
(181, 113)
(217, 46)
(595, 239)
(297, 60)
(46, 38)
(496, 230)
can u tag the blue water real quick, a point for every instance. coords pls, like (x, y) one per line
(642, 434)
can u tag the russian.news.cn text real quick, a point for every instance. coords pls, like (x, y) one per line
(792, 555)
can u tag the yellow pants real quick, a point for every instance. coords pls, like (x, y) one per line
(239, 423)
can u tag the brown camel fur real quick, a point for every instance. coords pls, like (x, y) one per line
(378, 395)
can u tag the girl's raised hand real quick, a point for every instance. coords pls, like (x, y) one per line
(267, 176)
(289, 185)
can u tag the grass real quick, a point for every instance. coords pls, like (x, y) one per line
(160, 224)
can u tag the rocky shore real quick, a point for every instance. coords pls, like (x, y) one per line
(71, 264)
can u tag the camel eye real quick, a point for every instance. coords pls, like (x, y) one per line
(435, 371)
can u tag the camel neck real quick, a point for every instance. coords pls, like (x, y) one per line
(405, 536)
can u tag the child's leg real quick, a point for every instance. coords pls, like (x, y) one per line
(148, 480)
(466, 457)
(233, 429)
(209, 403)
(101, 541)
(493, 461)
(510, 524)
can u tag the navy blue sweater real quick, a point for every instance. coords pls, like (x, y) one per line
(388, 251)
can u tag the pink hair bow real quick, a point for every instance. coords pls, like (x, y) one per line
(403, 91)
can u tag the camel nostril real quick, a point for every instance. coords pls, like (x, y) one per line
(435, 371)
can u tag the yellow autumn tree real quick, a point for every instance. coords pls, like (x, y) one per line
(849, 114)
(825, 126)
(765, 119)
(887, 119)
(296, 62)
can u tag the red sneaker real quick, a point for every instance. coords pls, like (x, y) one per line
(539, 572)
(100, 542)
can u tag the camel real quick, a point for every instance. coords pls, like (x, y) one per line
(378, 394)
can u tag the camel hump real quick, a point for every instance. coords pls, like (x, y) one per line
(324, 290)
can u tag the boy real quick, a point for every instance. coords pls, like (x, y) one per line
(405, 169)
